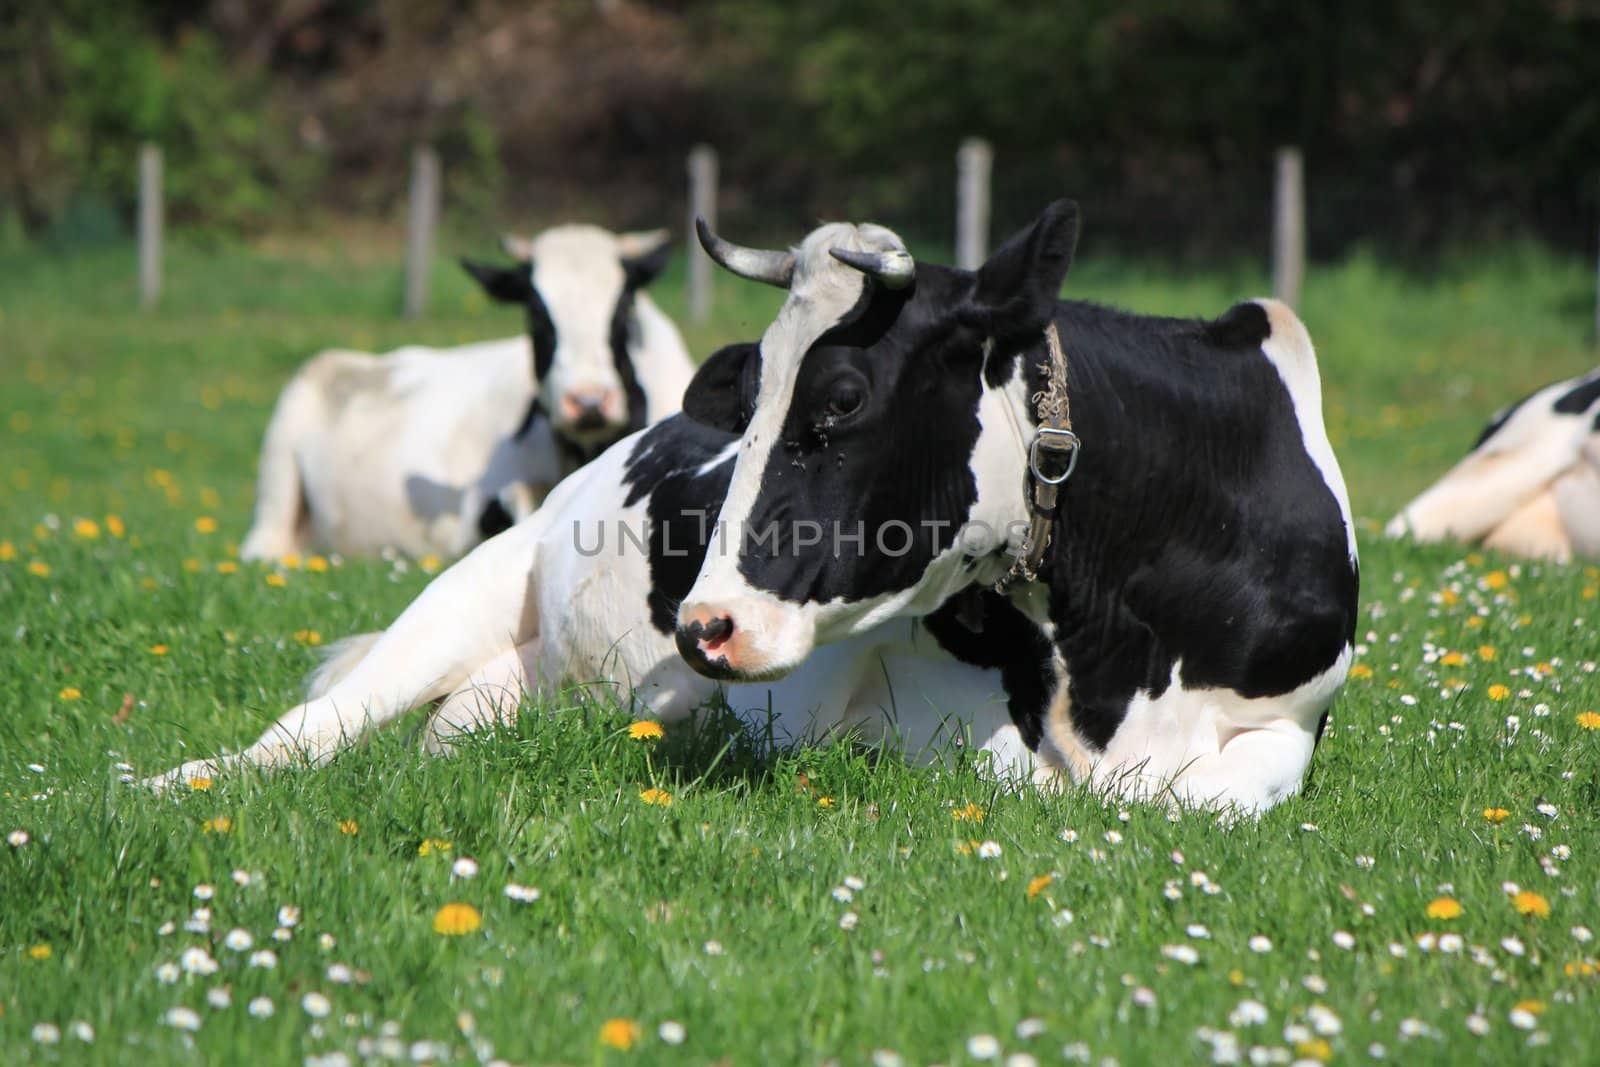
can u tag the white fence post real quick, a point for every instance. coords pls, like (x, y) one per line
(702, 203)
(150, 225)
(974, 166)
(1289, 227)
(422, 219)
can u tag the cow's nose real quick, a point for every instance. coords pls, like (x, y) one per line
(585, 410)
(702, 642)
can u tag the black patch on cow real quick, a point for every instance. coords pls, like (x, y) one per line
(1580, 398)
(1009, 642)
(870, 478)
(624, 335)
(722, 393)
(1241, 326)
(682, 506)
(494, 519)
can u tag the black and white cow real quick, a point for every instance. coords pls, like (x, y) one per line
(1200, 592)
(586, 590)
(1530, 486)
(429, 450)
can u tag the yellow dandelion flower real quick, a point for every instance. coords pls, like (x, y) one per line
(41, 532)
(290, 562)
(1444, 908)
(1485, 652)
(39, 568)
(453, 920)
(1495, 814)
(1499, 692)
(40, 951)
(8, 551)
(87, 529)
(967, 848)
(71, 692)
(316, 564)
(432, 845)
(620, 1034)
(1527, 902)
(1236, 977)
(1449, 598)
(206, 524)
(1474, 622)
(149, 583)
(114, 526)
(199, 783)
(1496, 579)
(276, 580)
(159, 650)
(219, 825)
(656, 796)
(308, 637)
(429, 563)
(1532, 1007)
(227, 566)
(191, 565)
(825, 802)
(1453, 659)
(969, 813)
(1038, 884)
(646, 730)
(1316, 1048)
(1474, 559)
(1589, 720)
(1360, 670)
(349, 826)
(1589, 592)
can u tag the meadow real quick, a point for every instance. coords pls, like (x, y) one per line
(565, 891)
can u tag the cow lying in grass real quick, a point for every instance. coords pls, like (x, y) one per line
(1199, 596)
(429, 450)
(860, 482)
(1530, 486)
(585, 590)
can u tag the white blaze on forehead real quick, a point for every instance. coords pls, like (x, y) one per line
(822, 291)
(577, 271)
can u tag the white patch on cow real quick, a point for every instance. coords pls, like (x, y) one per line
(1289, 348)
(1209, 748)
(1530, 489)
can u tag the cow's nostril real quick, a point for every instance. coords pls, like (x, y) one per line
(714, 634)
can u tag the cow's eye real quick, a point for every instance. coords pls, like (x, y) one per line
(845, 399)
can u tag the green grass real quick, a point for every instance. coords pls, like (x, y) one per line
(155, 418)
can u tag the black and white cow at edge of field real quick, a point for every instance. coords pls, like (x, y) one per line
(1199, 600)
(585, 591)
(1530, 486)
(429, 450)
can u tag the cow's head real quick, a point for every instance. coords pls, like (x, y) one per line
(880, 467)
(578, 285)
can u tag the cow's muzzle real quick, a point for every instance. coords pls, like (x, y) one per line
(591, 411)
(742, 640)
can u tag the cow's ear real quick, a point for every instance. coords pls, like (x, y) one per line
(1018, 286)
(509, 285)
(644, 255)
(722, 392)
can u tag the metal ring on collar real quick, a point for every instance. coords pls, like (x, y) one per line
(1064, 441)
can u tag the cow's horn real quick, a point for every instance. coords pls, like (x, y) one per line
(774, 268)
(894, 269)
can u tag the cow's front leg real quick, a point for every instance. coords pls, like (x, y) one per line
(492, 695)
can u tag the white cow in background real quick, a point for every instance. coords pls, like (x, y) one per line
(1529, 487)
(430, 450)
